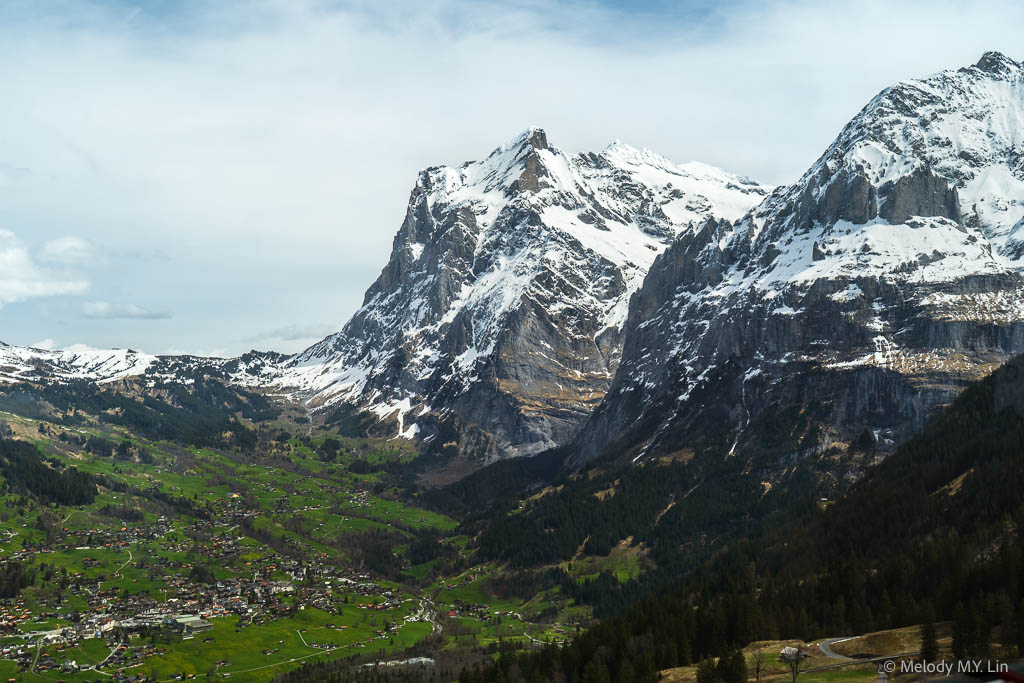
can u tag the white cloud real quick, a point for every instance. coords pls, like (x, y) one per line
(67, 250)
(44, 344)
(22, 279)
(105, 310)
(81, 348)
(10, 174)
(296, 332)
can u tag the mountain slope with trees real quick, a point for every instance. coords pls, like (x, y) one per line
(933, 532)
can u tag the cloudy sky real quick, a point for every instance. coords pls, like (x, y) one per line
(216, 176)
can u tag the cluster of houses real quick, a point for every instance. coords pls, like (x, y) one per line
(113, 614)
(13, 613)
(268, 587)
(28, 653)
(461, 608)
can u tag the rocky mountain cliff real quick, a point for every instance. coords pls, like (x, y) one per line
(500, 310)
(840, 312)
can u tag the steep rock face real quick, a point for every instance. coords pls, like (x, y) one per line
(851, 303)
(502, 304)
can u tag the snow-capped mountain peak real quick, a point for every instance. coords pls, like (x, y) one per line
(865, 293)
(948, 146)
(999, 64)
(507, 287)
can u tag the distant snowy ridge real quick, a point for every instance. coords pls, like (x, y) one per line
(19, 364)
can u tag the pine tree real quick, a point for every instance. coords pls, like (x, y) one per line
(981, 633)
(1019, 636)
(706, 672)
(685, 651)
(929, 639)
(596, 672)
(626, 673)
(962, 632)
(731, 667)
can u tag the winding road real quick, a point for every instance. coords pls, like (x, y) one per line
(826, 648)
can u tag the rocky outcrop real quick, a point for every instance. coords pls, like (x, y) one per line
(919, 193)
(845, 196)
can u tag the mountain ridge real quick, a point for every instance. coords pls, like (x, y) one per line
(502, 303)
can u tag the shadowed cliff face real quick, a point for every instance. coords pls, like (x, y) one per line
(851, 303)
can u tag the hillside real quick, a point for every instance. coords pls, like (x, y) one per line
(118, 515)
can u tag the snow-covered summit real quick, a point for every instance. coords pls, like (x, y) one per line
(999, 64)
(949, 146)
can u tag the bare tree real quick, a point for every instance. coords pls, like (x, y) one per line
(793, 657)
(757, 664)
